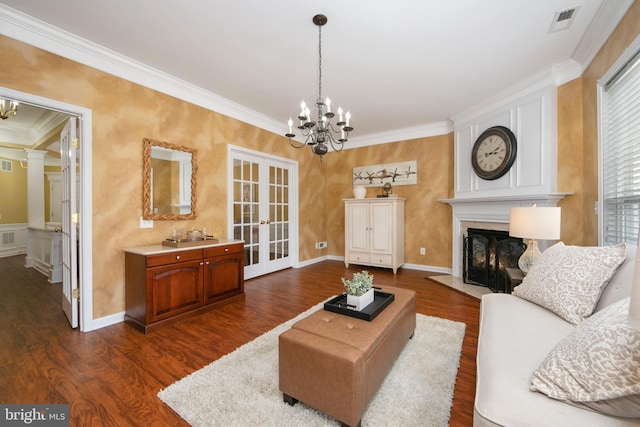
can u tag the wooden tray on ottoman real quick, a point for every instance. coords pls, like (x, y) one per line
(380, 301)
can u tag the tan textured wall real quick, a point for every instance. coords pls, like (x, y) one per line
(570, 161)
(13, 195)
(624, 34)
(427, 220)
(123, 114)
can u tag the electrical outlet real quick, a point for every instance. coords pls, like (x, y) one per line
(322, 245)
(146, 223)
(423, 251)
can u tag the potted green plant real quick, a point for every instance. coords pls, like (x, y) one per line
(359, 290)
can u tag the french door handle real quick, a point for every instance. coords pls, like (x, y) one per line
(265, 221)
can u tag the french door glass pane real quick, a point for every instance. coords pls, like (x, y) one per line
(245, 208)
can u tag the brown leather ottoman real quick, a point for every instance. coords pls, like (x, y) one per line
(336, 363)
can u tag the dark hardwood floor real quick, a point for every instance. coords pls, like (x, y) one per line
(111, 376)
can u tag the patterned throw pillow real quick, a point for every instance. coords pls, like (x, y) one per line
(597, 366)
(568, 280)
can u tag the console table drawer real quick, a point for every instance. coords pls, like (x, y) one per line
(173, 257)
(223, 250)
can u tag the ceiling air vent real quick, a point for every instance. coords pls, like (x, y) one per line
(563, 19)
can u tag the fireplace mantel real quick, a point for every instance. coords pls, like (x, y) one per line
(488, 210)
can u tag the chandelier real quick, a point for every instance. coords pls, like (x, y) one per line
(13, 108)
(321, 132)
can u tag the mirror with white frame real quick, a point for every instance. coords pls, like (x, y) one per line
(169, 181)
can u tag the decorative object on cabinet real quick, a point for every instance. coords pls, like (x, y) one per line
(168, 181)
(386, 189)
(493, 153)
(403, 173)
(163, 284)
(374, 232)
(359, 192)
(319, 135)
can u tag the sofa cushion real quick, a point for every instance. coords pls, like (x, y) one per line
(568, 280)
(597, 366)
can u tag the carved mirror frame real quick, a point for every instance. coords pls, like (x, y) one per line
(146, 180)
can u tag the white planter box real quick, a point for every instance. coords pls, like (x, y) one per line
(361, 301)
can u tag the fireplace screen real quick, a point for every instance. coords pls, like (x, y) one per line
(487, 255)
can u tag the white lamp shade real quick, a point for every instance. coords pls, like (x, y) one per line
(534, 222)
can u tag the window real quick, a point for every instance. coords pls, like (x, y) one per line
(6, 166)
(620, 153)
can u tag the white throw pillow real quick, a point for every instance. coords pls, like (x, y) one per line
(568, 280)
(597, 366)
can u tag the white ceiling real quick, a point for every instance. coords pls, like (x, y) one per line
(400, 67)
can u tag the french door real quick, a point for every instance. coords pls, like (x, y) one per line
(69, 220)
(263, 212)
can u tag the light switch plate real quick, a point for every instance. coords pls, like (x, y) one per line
(146, 223)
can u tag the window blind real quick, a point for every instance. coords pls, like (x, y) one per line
(621, 155)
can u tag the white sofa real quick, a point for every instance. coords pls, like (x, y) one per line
(515, 337)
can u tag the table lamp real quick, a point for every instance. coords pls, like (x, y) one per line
(533, 223)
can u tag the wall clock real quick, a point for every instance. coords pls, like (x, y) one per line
(494, 152)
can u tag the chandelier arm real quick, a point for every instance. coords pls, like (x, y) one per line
(335, 143)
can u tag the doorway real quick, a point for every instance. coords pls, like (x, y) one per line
(81, 249)
(263, 209)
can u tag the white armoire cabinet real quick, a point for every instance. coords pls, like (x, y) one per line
(374, 232)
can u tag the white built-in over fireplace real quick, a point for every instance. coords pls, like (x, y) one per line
(531, 115)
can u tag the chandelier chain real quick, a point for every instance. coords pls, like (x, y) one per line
(319, 62)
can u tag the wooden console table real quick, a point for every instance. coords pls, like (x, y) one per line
(164, 283)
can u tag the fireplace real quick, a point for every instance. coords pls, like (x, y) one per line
(486, 256)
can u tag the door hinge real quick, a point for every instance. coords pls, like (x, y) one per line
(75, 142)
(74, 218)
(75, 293)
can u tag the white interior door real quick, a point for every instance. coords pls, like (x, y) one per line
(262, 213)
(68, 164)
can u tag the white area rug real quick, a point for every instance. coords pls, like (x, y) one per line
(241, 388)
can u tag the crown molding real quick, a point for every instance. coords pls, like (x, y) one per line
(40, 34)
(607, 18)
(32, 31)
(27, 29)
(433, 129)
(554, 75)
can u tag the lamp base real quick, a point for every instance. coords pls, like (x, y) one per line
(529, 257)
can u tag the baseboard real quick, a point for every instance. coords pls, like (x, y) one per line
(103, 322)
(421, 267)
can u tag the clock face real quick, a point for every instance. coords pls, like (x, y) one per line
(493, 153)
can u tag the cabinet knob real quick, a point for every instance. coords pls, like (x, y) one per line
(202, 263)
(226, 249)
(177, 256)
(207, 262)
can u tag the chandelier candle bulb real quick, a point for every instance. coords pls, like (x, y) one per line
(328, 105)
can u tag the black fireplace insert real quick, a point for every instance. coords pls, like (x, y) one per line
(487, 255)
